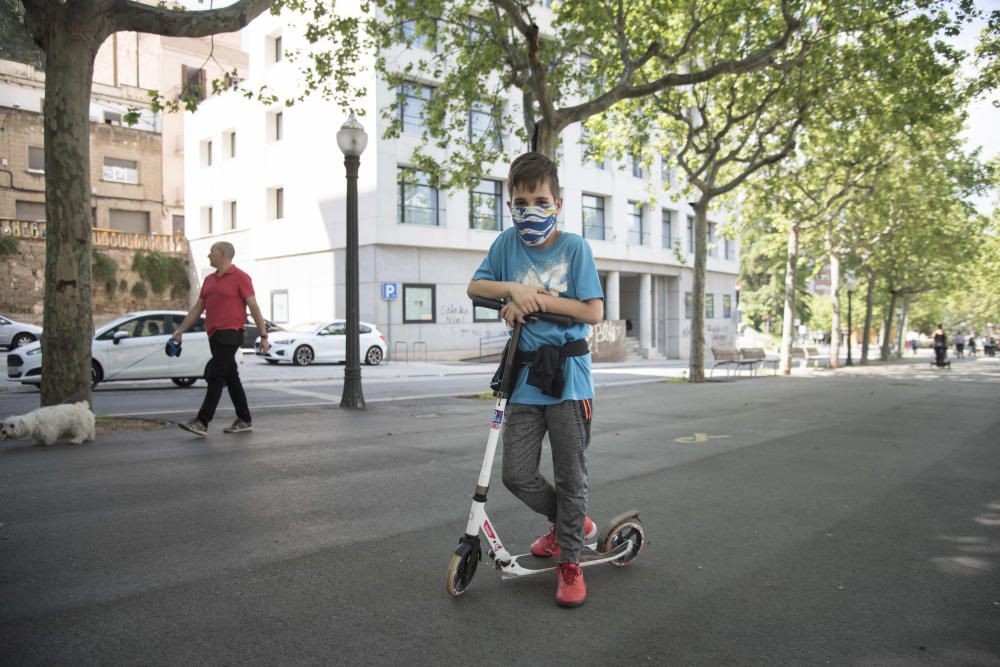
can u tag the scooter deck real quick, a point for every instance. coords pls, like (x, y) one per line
(588, 555)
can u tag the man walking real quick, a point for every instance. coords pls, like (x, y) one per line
(225, 296)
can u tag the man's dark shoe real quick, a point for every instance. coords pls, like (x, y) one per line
(239, 426)
(194, 426)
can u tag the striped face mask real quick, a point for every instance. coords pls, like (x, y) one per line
(534, 224)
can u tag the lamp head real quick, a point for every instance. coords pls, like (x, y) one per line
(351, 137)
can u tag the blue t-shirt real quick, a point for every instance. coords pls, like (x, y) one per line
(565, 268)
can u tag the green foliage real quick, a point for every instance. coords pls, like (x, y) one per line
(105, 271)
(162, 271)
(9, 245)
(139, 290)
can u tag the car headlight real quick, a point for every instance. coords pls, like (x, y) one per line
(32, 353)
(284, 341)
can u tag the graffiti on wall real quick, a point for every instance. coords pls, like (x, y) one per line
(607, 340)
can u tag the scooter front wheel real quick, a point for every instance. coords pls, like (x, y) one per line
(462, 568)
(619, 532)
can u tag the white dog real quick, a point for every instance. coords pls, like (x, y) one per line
(46, 425)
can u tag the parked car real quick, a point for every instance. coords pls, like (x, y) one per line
(15, 334)
(129, 348)
(250, 331)
(305, 343)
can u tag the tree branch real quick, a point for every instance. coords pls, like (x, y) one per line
(128, 15)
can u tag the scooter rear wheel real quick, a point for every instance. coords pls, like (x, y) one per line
(619, 533)
(461, 569)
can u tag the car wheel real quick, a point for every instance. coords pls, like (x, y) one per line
(271, 361)
(374, 356)
(21, 339)
(303, 355)
(96, 374)
(183, 382)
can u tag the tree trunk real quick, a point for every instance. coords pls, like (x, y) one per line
(887, 338)
(901, 338)
(696, 360)
(788, 321)
(835, 311)
(545, 139)
(869, 307)
(67, 313)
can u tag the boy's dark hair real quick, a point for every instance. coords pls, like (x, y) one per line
(530, 169)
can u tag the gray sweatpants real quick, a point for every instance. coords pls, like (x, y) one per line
(565, 504)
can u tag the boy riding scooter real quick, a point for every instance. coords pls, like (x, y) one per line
(539, 269)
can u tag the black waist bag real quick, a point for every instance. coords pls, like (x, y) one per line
(546, 370)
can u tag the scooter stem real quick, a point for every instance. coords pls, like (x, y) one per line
(508, 379)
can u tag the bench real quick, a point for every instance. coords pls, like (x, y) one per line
(729, 357)
(758, 356)
(810, 355)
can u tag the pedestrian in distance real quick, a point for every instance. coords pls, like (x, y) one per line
(940, 345)
(537, 268)
(225, 296)
(971, 342)
(960, 345)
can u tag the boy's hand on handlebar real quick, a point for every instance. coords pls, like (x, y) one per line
(511, 314)
(528, 299)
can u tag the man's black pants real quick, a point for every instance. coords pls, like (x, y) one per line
(223, 371)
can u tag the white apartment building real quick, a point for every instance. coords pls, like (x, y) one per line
(271, 181)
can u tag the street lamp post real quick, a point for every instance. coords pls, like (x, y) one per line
(352, 140)
(851, 281)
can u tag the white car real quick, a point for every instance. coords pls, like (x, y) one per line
(129, 348)
(305, 343)
(15, 334)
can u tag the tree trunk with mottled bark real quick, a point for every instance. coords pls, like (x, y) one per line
(696, 359)
(787, 331)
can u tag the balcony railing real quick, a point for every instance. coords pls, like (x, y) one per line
(102, 238)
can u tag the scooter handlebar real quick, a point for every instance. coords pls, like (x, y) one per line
(497, 304)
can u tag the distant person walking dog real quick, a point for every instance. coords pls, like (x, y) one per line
(940, 345)
(225, 296)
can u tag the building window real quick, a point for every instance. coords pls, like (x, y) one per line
(229, 141)
(276, 203)
(486, 205)
(275, 52)
(709, 306)
(589, 158)
(206, 153)
(666, 238)
(177, 224)
(418, 304)
(636, 236)
(192, 83)
(36, 159)
(593, 217)
(112, 118)
(120, 171)
(730, 248)
(484, 125)
(418, 198)
(666, 175)
(635, 166)
(415, 97)
(727, 305)
(136, 222)
(688, 305)
(711, 239)
(279, 306)
(230, 214)
(275, 126)
(690, 235)
(480, 314)
(29, 211)
(206, 220)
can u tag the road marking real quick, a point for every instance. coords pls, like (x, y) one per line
(699, 437)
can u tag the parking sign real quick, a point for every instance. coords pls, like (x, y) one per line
(390, 291)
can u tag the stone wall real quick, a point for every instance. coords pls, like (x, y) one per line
(22, 286)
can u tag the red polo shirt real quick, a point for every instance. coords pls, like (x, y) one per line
(225, 299)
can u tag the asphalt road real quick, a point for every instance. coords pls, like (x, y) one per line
(848, 517)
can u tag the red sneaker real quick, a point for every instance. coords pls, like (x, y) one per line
(546, 546)
(571, 590)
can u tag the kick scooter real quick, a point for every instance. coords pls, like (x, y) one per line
(618, 543)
